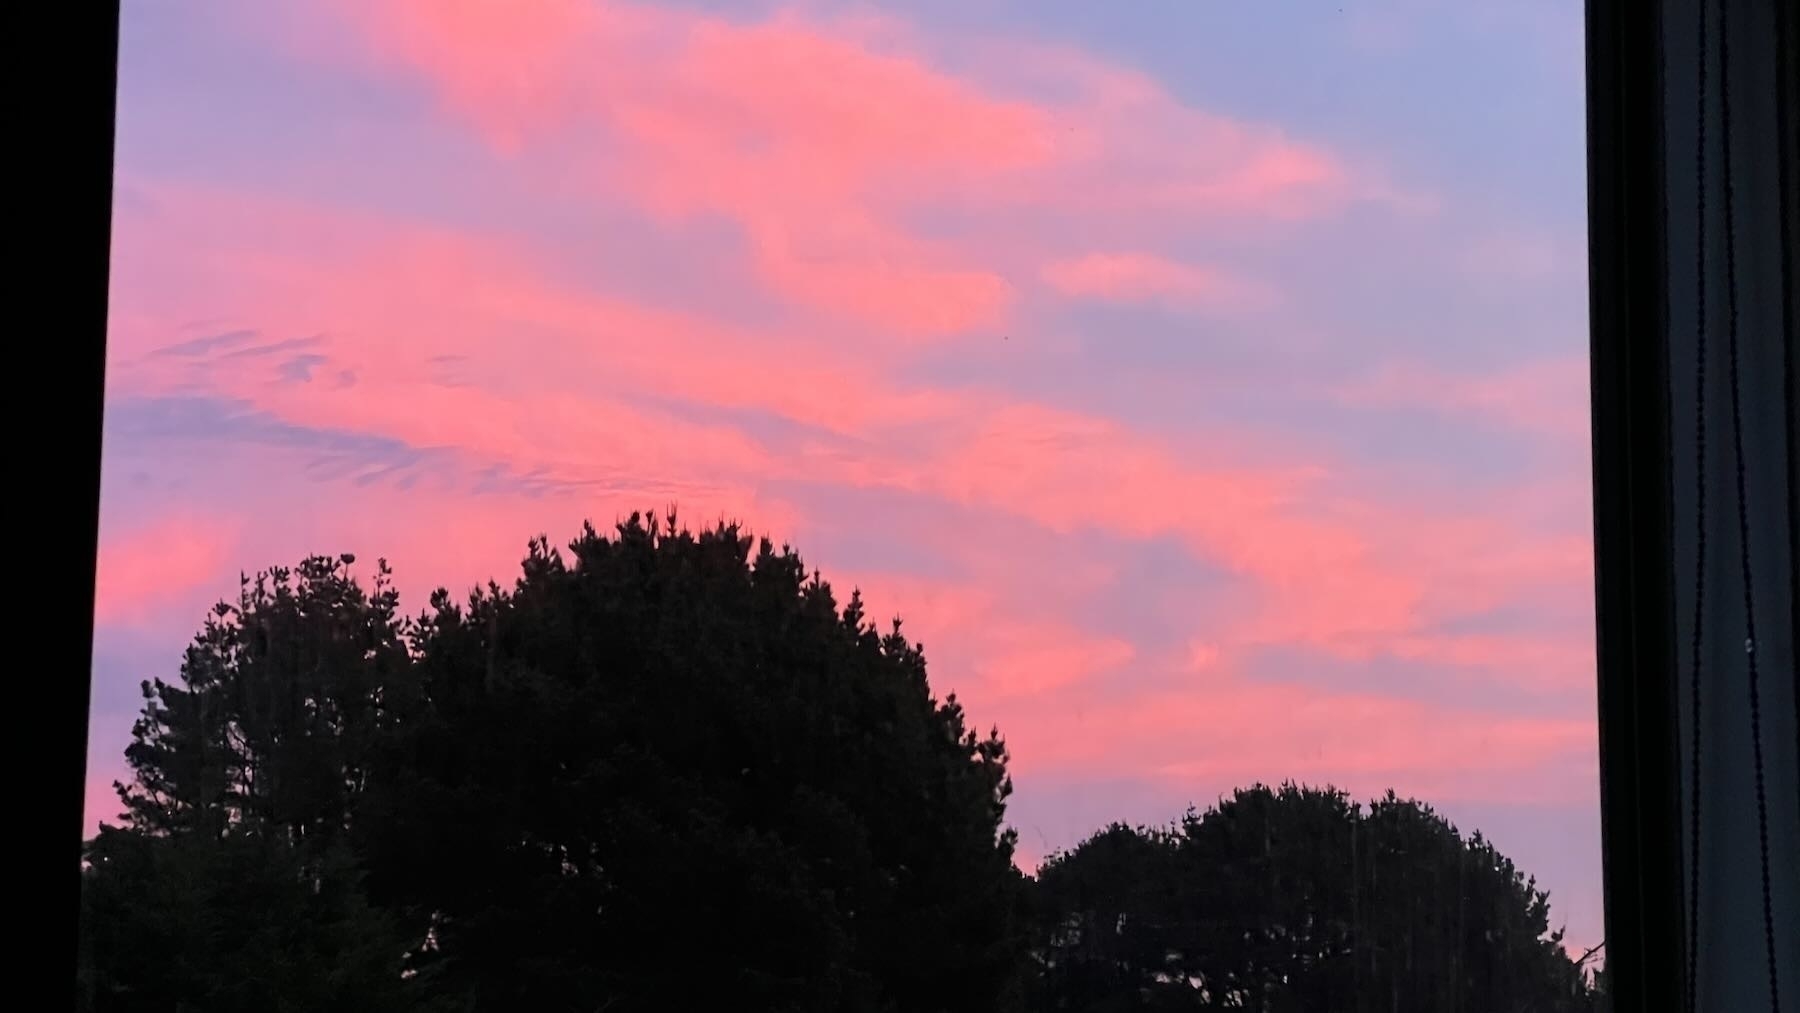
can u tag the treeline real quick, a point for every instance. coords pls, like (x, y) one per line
(669, 771)
(1298, 899)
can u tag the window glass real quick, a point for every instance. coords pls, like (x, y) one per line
(1203, 384)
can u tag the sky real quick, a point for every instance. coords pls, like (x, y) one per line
(1204, 383)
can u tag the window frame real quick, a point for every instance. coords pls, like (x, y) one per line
(1633, 536)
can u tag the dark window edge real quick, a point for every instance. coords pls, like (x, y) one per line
(1634, 604)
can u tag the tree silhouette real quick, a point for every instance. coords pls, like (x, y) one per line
(1298, 899)
(233, 884)
(668, 769)
(282, 700)
(1107, 938)
(234, 922)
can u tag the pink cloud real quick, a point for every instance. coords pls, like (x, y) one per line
(1227, 731)
(789, 129)
(1145, 277)
(933, 607)
(1126, 147)
(1067, 471)
(863, 271)
(1333, 572)
(148, 569)
(389, 298)
(1202, 655)
(982, 648)
(817, 135)
(818, 140)
(1045, 658)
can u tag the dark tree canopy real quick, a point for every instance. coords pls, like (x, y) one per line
(233, 884)
(233, 922)
(663, 769)
(669, 770)
(1299, 899)
(682, 771)
(282, 700)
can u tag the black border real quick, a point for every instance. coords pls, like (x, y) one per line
(74, 97)
(1787, 118)
(1634, 600)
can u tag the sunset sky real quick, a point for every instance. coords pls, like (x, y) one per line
(1204, 382)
